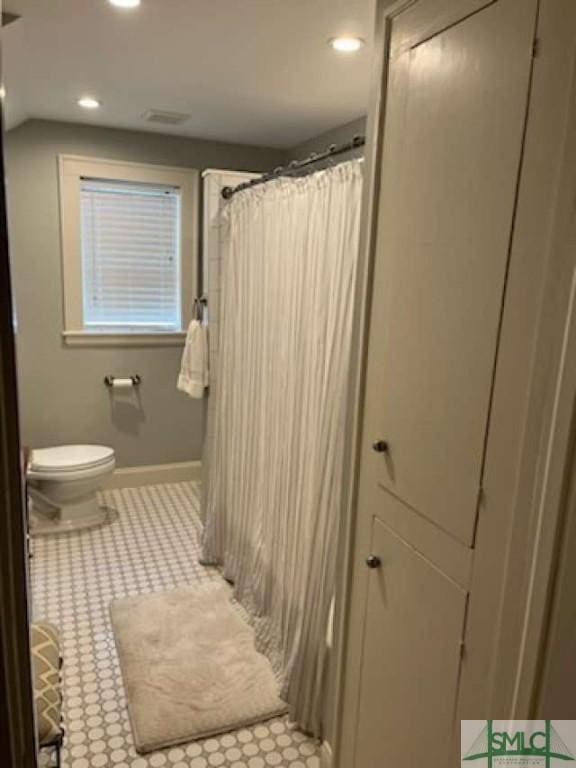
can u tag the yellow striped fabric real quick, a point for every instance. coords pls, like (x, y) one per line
(46, 668)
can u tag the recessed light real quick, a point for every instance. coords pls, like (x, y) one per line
(126, 3)
(88, 102)
(346, 44)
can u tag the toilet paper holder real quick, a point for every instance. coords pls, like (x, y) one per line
(122, 381)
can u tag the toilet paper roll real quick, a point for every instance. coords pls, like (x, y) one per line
(122, 383)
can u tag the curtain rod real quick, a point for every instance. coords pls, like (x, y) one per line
(296, 165)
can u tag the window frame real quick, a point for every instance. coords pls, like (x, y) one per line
(72, 169)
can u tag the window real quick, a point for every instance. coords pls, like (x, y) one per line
(130, 242)
(129, 251)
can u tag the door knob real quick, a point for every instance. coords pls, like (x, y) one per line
(380, 446)
(373, 562)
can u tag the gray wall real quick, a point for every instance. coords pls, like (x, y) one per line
(62, 397)
(337, 135)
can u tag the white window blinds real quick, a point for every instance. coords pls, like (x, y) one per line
(130, 248)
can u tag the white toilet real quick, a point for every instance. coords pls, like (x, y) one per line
(63, 482)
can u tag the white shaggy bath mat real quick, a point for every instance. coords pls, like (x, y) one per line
(190, 666)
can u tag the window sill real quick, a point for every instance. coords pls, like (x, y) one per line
(88, 339)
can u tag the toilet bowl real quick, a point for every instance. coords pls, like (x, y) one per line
(63, 482)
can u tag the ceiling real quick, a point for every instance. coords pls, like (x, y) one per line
(249, 71)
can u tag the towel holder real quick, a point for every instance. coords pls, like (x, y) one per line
(200, 302)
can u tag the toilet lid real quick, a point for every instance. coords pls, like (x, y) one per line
(70, 457)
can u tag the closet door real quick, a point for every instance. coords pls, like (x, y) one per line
(456, 106)
(458, 81)
(414, 625)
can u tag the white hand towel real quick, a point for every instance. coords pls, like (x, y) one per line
(193, 378)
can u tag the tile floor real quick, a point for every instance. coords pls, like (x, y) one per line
(153, 546)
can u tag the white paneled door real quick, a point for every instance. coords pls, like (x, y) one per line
(414, 625)
(458, 81)
(454, 127)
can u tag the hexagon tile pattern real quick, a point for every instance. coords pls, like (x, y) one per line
(153, 546)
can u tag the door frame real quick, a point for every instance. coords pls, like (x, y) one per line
(531, 428)
(17, 731)
(556, 451)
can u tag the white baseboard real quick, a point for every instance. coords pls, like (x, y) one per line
(325, 755)
(134, 477)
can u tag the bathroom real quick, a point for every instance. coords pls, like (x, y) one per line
(286, 382)
(115, 442)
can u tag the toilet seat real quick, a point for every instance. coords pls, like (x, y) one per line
(70, 459)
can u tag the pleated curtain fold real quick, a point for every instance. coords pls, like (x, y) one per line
(276, 435)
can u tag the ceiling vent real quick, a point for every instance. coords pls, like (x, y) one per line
(165, 118)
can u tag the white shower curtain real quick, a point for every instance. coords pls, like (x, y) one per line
(277, 435)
